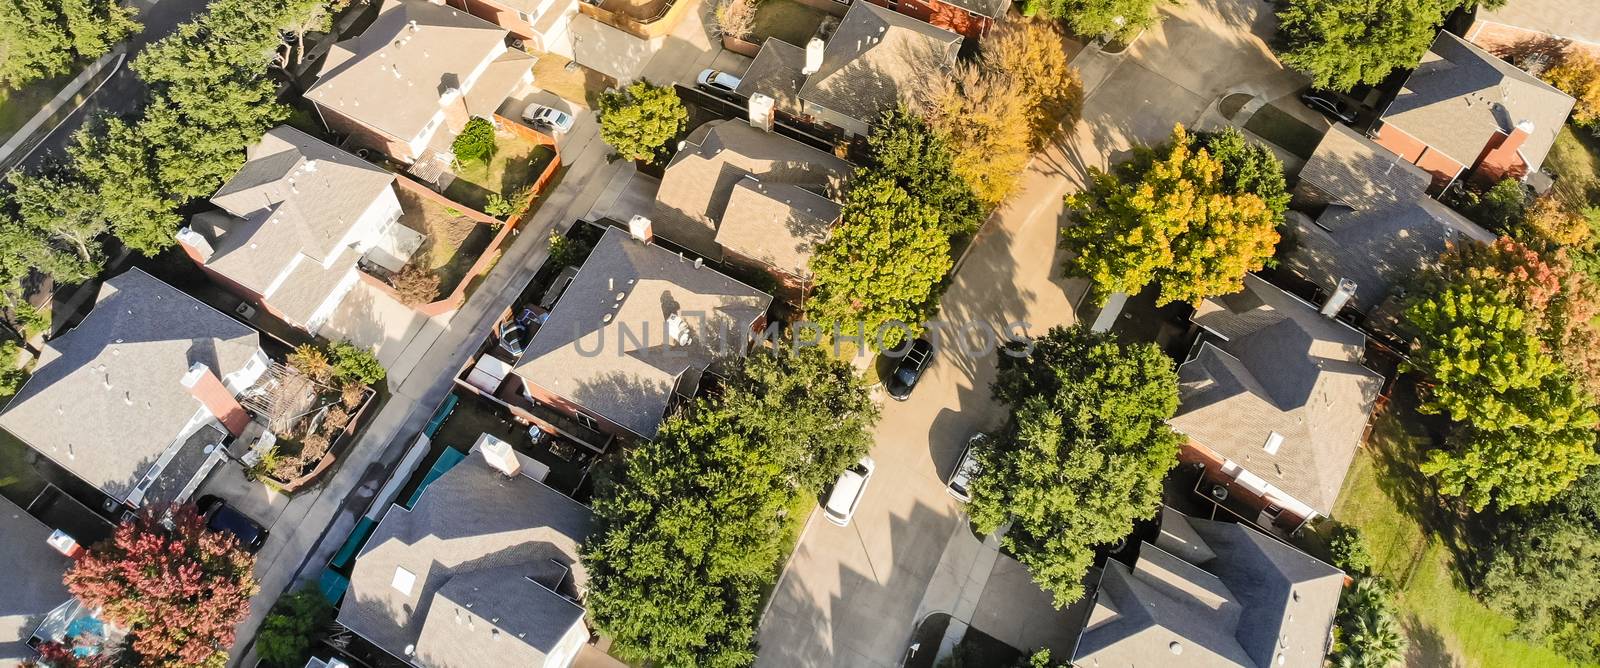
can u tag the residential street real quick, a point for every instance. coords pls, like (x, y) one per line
(852, 596)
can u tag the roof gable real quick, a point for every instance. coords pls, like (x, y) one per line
(873, 58)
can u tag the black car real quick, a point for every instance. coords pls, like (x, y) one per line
(1329, 104)
(909, 370)
(221, 518)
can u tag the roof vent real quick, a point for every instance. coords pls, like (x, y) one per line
(1274, 441)
(677, 330)
(1175, 647)
(403, 580)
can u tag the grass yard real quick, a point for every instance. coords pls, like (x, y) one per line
(1575, 160)
(576, 84)
(516, 163)
(1277, 126)
(787, 20)
(17, 106)
(453, 243)
(1414, 542)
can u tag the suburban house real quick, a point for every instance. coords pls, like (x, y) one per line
(544, 25)
(133, 399)
(1537, 28)
(634, 333)
(409, 83)
(1215, 594)
(1363, 216)
(297, 222)
(759, 199)
(1465, 115)
(1274, 401)
(870, 65)
(970, 18)
(30, 584)
(482, 571)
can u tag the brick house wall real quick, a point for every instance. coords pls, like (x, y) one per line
(365, 135)
(562, 405)
(497, 14)
(243, 293)
(1443, 168)
(941, 14)
(1500, 160)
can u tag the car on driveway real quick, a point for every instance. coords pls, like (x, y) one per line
(1329, 104)
(222, 518)
(718, 81)
(909, 370)
(847, 492)
(960, 482)
(549, 117)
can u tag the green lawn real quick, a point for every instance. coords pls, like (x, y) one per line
(515, 165)
(1575, 160)
(787, 20)
(1290, 133)
(17, 106)
(1413, 540)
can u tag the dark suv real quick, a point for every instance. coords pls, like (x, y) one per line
(221, 518)
(1329, 104)
(909, 370)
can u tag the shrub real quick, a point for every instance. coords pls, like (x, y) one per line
(11, 377)
(416, 286)
(351, 362)
(736, 18)
(351, 394)
(475, 143)
(1500, 208)
(567, 252)
(311, 362)
(32, 321)
(1350, 552)
(497, 206)
(296, 622)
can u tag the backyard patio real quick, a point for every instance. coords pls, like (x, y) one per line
(474, 416)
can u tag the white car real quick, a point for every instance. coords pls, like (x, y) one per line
(847, 492)
(717, 80)
(555, 119)
(960, 482)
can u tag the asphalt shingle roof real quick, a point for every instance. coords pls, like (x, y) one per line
(105, 401)
(295, 196)
(780, 224)
(1379, 228)
(1245, 601)
(1569, 19)
(874, 58)
(604, 346)
(30, 584)
(1286, 369)
(475, 537)
(775, 72)
(1460, 95)
(699, 185)
(392, 75)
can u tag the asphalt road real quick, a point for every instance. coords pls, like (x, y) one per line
(851, 596)
(123, 92)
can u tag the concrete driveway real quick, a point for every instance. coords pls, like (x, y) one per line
(851, 596)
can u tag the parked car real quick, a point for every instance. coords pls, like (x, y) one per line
(1329, 104)
(221, 518)
(961, 478)
(847, 492)
(550, 117)
(718, 81)
(909, 370)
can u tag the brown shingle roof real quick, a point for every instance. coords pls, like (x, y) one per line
(874, 58)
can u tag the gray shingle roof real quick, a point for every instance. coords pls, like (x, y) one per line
(780, 224)
(1379, 228)
(296, 195)
(1286, 369)
(699, 183)
(391, 76)
(1569, 19)
(874, 58)
(1245, 601)
(604, 346)
(776, 73)
(472, 528)
(993, 9)
(105, 401)
(1460, 95)
(30, 583)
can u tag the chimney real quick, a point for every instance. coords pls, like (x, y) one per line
(761, 112)
(499, 454)
(677, 331)
(813, 56)
(196, 245)
(1337, 300)
(639, 228)
(1518, 136)
(209, 390)
(450, 94)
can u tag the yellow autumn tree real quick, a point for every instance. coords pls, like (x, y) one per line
(1168, 216)
(1578, 75)
(1033, 56)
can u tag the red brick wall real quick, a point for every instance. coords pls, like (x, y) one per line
(1443, 168)
(365, 135)
(497, 14)
(1500, 160)
(240, 291)
(561, 404)
(944, 15)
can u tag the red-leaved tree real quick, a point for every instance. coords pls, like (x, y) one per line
(178, 588)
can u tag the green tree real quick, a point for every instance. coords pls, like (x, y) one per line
(686, 538)
(476, 141)
(1114, 19)
(1343, 43)
(23, 251)
(115, 163)
(883, 264)
(59, 208)
(904, 148)
(816, 410)
(295, 623)
(354, 363)
(1174, 215)
(639, 121)
(1368, 630)
(1547, 577)
(33, 42)
(1350, 551)
(1501, 208)
(1083, 456)
(97, 25)
(1247, 166)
